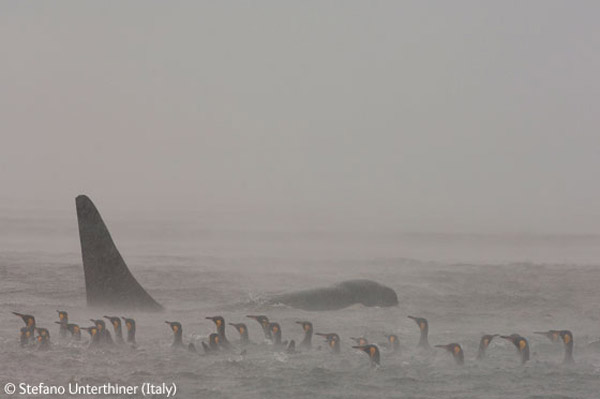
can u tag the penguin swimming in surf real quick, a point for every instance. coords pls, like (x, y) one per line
(424, 327)
(306, 343)
(277, 341)
(521, 344)
(130, 325)
(264, 323)
(393, 342)
(177, 333)
(63, 318)
(275, 329)
(116, 323)
(213, 344)
(94, 336)
(103, 333)
(372, 351)
(220, 324)
(25, 336)
(456, 350)
(43, 338)
(567, 338)
(243, 331)
(484, 342)
(43, 331)
(333, 340)
(75, 331)
(29, 321)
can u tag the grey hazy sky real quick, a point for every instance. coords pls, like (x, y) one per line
(432, 116)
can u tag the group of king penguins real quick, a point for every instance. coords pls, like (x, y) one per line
(99, 335)
(217, 341)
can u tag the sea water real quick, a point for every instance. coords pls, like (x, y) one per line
(464, 285)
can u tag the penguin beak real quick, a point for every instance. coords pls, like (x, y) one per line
(326, 336)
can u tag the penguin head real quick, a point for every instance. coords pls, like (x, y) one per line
(218, 320)
(175, 326)
(115, 321)
(240, 327)
(454, 348)
(392, 339)
(361, 341)
(421, 322)
(332, 339)
(456, 351)
(100, 325)
(92, 330)
(43, 332)
(486, 339)
(74, 329)
(552, 335)
(29, 320)
(42, 339)
(262, 319)
(567, 337)
(129, 323)
(370, 350)
(521, 344)
(329, 336)
(275, 329)
(214, 340)
(62, 315)
(25, 334)
(306, 326)
(517, 340)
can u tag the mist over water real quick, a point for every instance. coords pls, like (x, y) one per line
(448, 150)
(211, 273)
